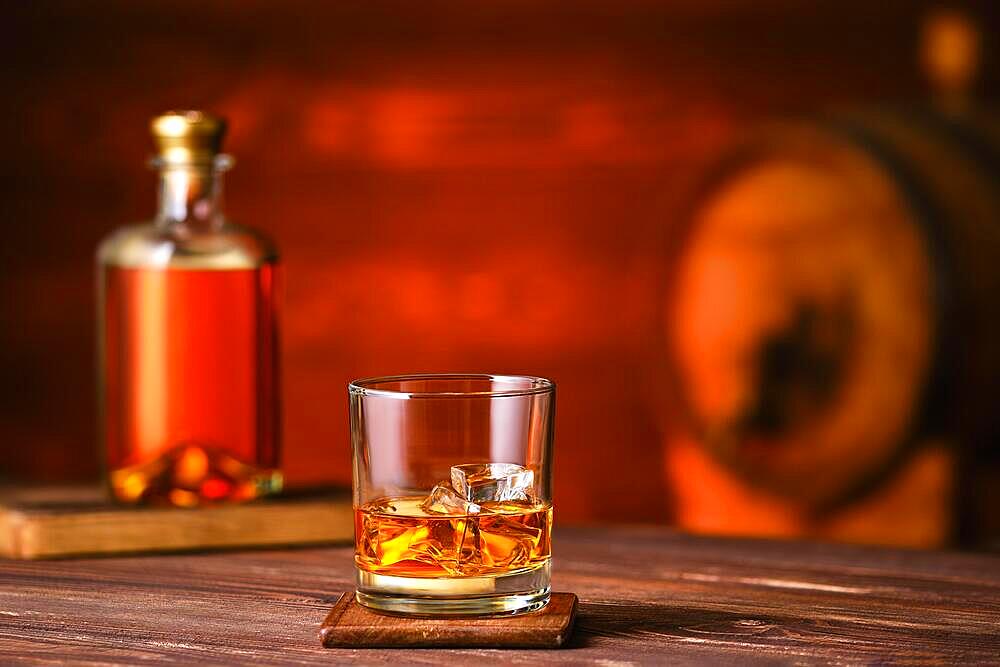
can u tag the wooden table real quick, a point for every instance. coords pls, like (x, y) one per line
(647, 596)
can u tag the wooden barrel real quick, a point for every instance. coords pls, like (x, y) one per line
(835, 301)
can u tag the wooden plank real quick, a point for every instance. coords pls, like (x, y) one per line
(74, 521)
(349, 624)
(647, 596)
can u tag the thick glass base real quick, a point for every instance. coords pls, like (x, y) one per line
(511, 593)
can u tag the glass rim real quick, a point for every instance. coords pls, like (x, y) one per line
(365, 386)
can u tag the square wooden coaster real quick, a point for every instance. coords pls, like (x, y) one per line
(351, 625)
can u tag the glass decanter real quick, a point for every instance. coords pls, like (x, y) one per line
(188, 337)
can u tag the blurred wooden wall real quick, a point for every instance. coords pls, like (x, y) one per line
(455, 187)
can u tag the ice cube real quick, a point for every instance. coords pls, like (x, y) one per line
(444, 500)
(492, 482)
(503, 541)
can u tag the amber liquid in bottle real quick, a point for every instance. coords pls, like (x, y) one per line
(190, 363)
(189, 351)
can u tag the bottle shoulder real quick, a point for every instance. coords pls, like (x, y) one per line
(229, 246)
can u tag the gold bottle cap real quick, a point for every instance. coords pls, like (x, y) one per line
(188, 137)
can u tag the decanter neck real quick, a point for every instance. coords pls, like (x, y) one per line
(191, 195)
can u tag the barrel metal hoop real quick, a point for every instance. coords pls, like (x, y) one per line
(974, 144)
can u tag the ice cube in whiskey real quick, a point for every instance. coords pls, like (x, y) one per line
(480, 482)
(443, 499)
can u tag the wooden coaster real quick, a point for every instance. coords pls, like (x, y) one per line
(351, 625)
(56, 522)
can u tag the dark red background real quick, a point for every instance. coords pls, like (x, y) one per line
(455, 187)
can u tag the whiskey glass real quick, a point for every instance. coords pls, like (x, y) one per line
(452, 493)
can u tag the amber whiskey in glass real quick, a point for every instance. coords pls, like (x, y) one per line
(398, 537)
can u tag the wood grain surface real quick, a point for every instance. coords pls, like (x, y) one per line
(647, 595)
(351, 625)
(55, 522)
